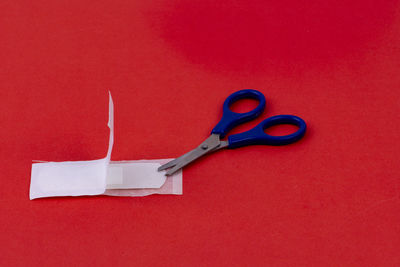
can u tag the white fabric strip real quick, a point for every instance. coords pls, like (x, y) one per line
(96, 177)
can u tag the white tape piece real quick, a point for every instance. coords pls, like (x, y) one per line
(114, 177)
(172, 184)
(134, 175)
(96, 177)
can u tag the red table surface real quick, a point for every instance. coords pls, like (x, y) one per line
(331, 199)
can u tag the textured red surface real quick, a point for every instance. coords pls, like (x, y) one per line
(331, 199)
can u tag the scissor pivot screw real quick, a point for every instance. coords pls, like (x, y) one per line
(204, 146)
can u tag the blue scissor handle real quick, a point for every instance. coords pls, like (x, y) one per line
(257, 136)
(231, 119)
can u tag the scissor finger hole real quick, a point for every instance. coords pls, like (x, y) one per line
(244, 105)
(281, 129)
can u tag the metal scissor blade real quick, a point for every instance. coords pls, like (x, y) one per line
(173, 162)
(196, 153)
(212, 143)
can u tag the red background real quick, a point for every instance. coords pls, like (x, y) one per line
(331, 199)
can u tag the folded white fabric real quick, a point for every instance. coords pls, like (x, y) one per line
(102, 177)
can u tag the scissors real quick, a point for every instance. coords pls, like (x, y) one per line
(229, 120)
